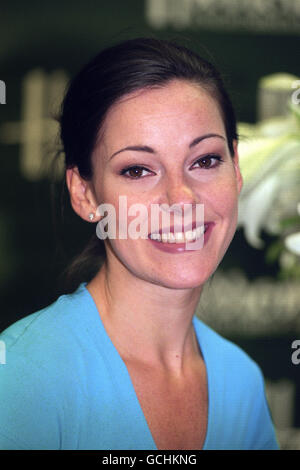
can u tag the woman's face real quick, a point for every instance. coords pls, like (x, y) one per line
(179, 154)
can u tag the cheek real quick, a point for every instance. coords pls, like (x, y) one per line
(228, 204)
(228, 211)
(225, 199)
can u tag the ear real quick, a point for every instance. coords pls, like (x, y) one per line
(239, 178)
(81, 194)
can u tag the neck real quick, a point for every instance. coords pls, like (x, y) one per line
(148, 323)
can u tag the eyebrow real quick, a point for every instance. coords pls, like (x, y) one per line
(145, 148)
(202, 137)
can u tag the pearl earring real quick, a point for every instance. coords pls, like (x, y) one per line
(91, 216)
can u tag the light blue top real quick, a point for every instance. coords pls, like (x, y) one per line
(65, 386)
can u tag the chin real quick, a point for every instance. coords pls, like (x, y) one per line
(182, 282)
(172, 275)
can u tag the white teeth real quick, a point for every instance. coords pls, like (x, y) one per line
(179, 237)
(155, 236)
(168, 237)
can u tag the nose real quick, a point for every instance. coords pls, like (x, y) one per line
(178, 190)
(178, 195)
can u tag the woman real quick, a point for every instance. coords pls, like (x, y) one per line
(123, 363)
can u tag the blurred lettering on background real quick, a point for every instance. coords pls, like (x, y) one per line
(38, 130)
(280, 16)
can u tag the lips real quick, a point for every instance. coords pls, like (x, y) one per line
(178, 247)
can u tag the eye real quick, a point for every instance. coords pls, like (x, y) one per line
(209, 161)
(134, 172)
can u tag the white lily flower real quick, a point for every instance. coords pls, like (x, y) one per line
(292, 242)
(270, 164)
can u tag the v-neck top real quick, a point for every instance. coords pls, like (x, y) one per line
(63, 385)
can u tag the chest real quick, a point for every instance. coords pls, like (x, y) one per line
(176, 414)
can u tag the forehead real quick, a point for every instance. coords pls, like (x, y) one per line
(174, 111)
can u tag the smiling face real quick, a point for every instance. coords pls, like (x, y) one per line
(168, 146)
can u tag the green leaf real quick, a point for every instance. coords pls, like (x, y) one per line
(290, 222)
(273, 251)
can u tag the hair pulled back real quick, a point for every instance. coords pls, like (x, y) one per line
(124, 68)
